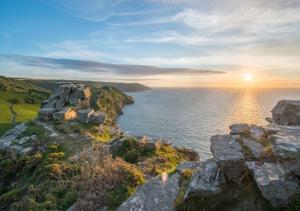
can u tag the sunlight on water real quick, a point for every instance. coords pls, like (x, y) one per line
(246, 108)
(189, 117)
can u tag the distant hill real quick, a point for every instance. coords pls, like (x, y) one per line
(54, 84)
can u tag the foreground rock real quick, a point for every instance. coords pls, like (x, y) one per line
(275, 184)
(287, 112)
(10, 138)
(154, 195)
(206, 180)
(228, 154)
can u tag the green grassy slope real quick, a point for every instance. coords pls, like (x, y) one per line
(27, 97)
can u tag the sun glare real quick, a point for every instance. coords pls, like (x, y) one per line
(248, 77)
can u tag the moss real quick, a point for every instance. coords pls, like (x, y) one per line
(184, 182)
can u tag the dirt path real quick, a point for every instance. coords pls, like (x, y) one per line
(13, 113)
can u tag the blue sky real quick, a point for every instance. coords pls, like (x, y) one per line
(191, 42)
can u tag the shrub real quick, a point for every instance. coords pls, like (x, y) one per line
(103, 180)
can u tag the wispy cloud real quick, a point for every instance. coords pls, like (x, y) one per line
(97, 67)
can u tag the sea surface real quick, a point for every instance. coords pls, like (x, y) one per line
(189, 117)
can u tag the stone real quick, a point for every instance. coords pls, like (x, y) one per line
(237, 129)
(257, 133)
(187, 165)
(79, 93)
(26, 151)
(286, 148)
(85, 115)
(275, 184)
(115, 146)
(206, 180)
(11, 136)
(46, 114)
(65, 114)
(154, 195)
(229, 156)
(287, 112)
(23, 140)
(97, 118)
(255, 147)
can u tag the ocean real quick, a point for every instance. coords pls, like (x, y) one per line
(189, 117)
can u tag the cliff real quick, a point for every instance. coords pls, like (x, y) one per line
(72, 154)
(52, 85)
(72, 157)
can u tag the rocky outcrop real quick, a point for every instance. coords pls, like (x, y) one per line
(287, 112)
(275, 184)
(156, 194)
(71, 102)
(11, 141)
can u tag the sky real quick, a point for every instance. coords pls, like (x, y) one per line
(184, 43)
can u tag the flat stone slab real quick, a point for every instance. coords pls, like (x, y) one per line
(275, 184)
(206, 181)
(229, 155)
(155, 195)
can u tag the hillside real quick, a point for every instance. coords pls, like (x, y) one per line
(25, 97)
(54, 84)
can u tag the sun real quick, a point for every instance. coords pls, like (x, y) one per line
(248, 77)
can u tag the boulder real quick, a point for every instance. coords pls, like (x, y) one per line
(46, 114)
(150, 144)
(154, 195)
(26, 151)
(115, 146)
(275, 184)
(287, 112)
(206, 180)
(65, 114)
(229, 156)
(237, 129)
(85, 115)
(286, 148)
(97, 118)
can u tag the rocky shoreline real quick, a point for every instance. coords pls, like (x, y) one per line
(253, 167)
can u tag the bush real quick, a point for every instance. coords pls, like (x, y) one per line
(103, 180)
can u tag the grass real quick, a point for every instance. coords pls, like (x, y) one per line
(25, 112)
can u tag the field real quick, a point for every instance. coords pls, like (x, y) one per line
(24, 112)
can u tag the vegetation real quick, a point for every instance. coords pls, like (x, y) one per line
(110, 101)
(153, 161)
(24, 98)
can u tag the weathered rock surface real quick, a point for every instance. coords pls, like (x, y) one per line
(154, 195)
(65, 114)
(10, 137)
(85, 115)
(57, 107)
(150, 144)
(206, 180)
(237, 129)
(275, 184)
(255, 147)
(97, 117)
(228, 154)
(287, 150)
(287, 112)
